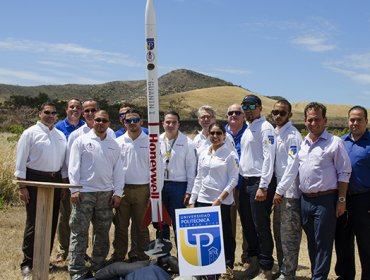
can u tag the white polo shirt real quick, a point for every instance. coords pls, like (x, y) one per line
(41, 149)
(135, 156)
(257, 147)
(288, 143)
(96, 164)
(216, 173)
(182, 160)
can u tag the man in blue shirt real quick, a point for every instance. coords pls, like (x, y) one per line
(72, 120)
(67, 126)
(357, 221)
(122, 115)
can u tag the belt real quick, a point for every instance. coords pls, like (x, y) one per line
(317, 194)
(359, 192)
(44, 173)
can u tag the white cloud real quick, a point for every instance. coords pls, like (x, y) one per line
(73, 51)
(314, 43)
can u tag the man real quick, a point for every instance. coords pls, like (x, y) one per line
(206, 117)
(40, 156)
(356, 222)
(95, 163)
(256, 193)
(121, 116)
(67, 126)
(235, 127)
(179, 162)
(134, 146)
(287, 215)
(324, 172)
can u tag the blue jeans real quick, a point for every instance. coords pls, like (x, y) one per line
(319, 221)
(173, 198)
(255, 219)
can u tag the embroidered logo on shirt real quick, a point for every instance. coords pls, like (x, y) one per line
(293, 150)
(271, 139)
(90, 147)
(236, 163)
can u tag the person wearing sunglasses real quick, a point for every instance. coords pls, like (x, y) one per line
(134, 146)
(235, 127)
(179, 162)
(217, 176)
(357, 221)
(95, 164)
(40, 156)
(287, 207)
(121, 116)
(67, 126)
(257, 189)
(324, 173)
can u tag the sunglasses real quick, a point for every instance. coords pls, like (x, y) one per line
(133, 120)
(100, 120)
(49, 112)
(89, 111)
(279, 112)
(237, 113)
(218, 133)
(249, 106)
(122, 115)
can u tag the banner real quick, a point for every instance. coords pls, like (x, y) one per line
(200, 241)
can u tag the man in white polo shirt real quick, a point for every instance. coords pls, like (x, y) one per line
(95, 163)
(256, 193)
(134, 146)
(179, 162)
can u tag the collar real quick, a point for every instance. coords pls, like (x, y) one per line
(44, 127)
(284, 128)
(324, 136)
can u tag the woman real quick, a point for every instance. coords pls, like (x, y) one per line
(218, 171)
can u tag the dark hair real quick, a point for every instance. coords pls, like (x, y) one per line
(285, 102)
(219, 125)
(91, 100)
(315, 106)
(76, 99)
(102, 112)
(173, 113)
(125, 105)
(358, 107)
(134, 111)
(47, 103)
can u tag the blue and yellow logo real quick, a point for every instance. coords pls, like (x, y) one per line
(293, 150)
(271, 139)
(200, 238)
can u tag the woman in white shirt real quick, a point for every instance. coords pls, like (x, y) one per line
(218, 170)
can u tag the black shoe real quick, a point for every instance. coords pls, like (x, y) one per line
(26, 271)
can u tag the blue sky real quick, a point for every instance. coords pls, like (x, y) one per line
(302, 50)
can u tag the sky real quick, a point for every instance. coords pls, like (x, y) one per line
(302, 50)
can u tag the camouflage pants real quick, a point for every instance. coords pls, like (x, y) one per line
(94, 207)
(290, 234)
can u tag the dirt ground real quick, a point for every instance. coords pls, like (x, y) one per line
(11, 231)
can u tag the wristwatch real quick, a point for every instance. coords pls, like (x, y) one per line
(342, 199)
(220, 199)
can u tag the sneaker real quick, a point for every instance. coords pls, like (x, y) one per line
(264, 275)
(229, 274)
(26, 272)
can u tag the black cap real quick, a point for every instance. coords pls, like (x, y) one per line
(252, 99)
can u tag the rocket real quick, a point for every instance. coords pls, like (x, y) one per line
(156, 213)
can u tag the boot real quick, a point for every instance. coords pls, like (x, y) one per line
(252, 269)
(264, 275)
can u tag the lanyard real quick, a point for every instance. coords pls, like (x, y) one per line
(169, 151)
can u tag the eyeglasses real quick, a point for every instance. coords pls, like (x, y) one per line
(122, 115)
(279, 112)
(206, 117)
(218, 133)
(245, 107)
(100, 120)
(237, 113)
(49, 112)
(133, 120)
(89, 111)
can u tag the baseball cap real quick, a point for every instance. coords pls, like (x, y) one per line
(252, 99)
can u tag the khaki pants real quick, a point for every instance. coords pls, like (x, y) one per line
(133, 206)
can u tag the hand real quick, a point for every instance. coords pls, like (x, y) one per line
(277, 199)
(186, 198)
(75, 198)
(24, 195)
(190, 206)
(216, 203)
(116, 201)
(261, 195)
(341, 208)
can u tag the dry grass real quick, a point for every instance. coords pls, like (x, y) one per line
(12, 223)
